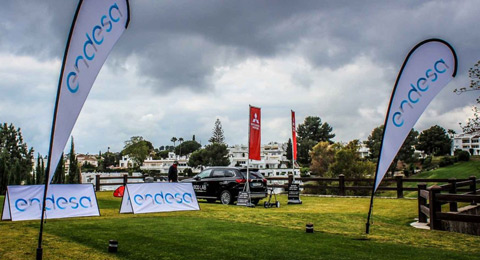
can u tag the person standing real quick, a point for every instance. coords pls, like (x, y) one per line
(173, 172)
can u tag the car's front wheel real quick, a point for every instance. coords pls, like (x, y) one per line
(226, 197)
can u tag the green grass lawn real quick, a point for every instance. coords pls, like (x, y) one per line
(233, 232)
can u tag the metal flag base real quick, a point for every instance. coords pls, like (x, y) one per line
(39, 253)
(243, 199)
(297, 201)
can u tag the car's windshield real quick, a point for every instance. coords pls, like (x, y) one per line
(204, 174)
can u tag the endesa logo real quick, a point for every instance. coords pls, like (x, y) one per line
(415, 93)
(52, 203)
(161, 198)
(91, 44)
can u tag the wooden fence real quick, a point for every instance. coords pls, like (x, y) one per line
(122, 180)
(430, 201)
(339, 186)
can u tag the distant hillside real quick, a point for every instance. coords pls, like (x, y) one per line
(460, 170)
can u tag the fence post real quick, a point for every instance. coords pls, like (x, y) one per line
(97, 182)
(473, 187)
(422, 218)
(399, 179)
(453, 190)
(125, 180)
(341, 185)
(435, 206)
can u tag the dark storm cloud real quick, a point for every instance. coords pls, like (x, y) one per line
(38, 28)
(180, 43)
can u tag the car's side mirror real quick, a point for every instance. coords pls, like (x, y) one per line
(196, 178)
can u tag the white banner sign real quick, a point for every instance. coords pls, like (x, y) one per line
(63, 201)
(158, 197)
(96, 28)
(426, 70)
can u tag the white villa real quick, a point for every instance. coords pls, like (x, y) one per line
(273, 159)
(163, 165)
(363, 151)
(467, 142)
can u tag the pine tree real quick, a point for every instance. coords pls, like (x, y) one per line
(217, 135)
(15, 158)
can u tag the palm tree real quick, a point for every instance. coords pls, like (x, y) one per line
(180, 140)
(173, 140)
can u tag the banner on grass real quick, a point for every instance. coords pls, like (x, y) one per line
(63, 201)
(158, 197)
(294, 137)
(427, 69)
(96, 27)
(254, 133)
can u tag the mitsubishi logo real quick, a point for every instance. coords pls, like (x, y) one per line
(255, 119)
(255, 124)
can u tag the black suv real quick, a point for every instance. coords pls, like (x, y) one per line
(224, 183)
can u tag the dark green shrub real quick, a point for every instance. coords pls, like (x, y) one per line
(446, 161)
(462, 156)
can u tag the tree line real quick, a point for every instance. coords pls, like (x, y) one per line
(317, 152)
(213, 154)
(323, 157)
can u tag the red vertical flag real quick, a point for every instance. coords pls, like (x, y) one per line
(294, 137)
(254, 133)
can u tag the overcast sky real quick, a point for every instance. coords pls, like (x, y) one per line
(182, 64)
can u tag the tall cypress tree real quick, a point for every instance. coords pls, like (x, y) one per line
(73, 169)
(40, 171)
(59, 175)
(289, 149)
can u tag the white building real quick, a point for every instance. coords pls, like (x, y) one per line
(163, 165)
(86, 158)
(467, 142)
(273, 159)
(363, 151)
(125, 162)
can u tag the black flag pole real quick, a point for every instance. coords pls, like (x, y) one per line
(388, 114)
(55, 113)
(370, 208)
(49, 162)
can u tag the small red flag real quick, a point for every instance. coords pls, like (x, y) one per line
(294, 137)
(254, 133)
(119, 191)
